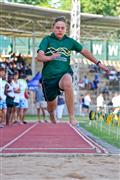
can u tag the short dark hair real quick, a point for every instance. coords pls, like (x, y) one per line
(2, 69)
(16, 73)
(62, 18)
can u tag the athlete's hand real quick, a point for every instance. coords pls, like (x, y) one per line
(105, 68)
(43, 58)
(36, 59)
(55, 55)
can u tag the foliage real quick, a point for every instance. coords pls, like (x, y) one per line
(103, 7)
(32, 2)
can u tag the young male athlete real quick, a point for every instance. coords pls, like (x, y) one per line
(54, 51)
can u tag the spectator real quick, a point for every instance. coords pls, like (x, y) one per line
(86, 82)
(116, 100)
(100, 102)
(81, 103)
(94, 84)
(3, 107)
(86, 104)
(40, 102)
(16, 87)
(28, 70)
(20, 59)
(9, 92)
(60, 106)
(24, 95)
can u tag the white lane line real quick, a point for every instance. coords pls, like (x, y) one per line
(98, 145)
(18, 137)
(90, 140)
(78, 132)
(54, 148)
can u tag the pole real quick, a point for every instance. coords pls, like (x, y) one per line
(75, 34)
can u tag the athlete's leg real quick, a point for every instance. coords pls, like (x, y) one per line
(51, 106)
(66, 84)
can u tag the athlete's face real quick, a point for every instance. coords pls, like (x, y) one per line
(59, 29)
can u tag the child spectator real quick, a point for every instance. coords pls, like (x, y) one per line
(40, 102)
(9, 92)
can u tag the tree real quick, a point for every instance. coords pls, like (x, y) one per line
(104, 7)
(32, 2)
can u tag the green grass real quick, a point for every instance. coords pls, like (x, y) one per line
(103, 131)
(106, 133)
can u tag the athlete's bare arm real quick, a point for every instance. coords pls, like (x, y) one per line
(89, 56)
(43, 58)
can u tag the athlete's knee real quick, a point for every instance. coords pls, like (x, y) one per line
(51, 106)
(66, 82)
(67, 85)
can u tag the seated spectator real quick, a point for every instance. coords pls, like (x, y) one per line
(81, 83)
(28, 70)
(94, 84)
(20, 59)
(86, 82)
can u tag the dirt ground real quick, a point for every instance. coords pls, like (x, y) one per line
(87, 167)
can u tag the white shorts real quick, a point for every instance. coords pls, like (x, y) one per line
(3, 104)
(41, 104)
(23, 103)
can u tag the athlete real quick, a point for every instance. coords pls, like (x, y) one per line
(54, 51)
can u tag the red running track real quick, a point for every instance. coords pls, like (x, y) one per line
(45, 138)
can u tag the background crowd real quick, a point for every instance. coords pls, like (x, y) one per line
(15, 93)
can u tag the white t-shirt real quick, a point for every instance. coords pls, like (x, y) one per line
(0, 87)
(100, 101)
(3, 89)
(23, 86)
(87, 100)
(116, 101)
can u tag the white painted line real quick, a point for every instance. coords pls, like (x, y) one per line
(97, 145)
(78, 132)
(54, 148)
(18, 137)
